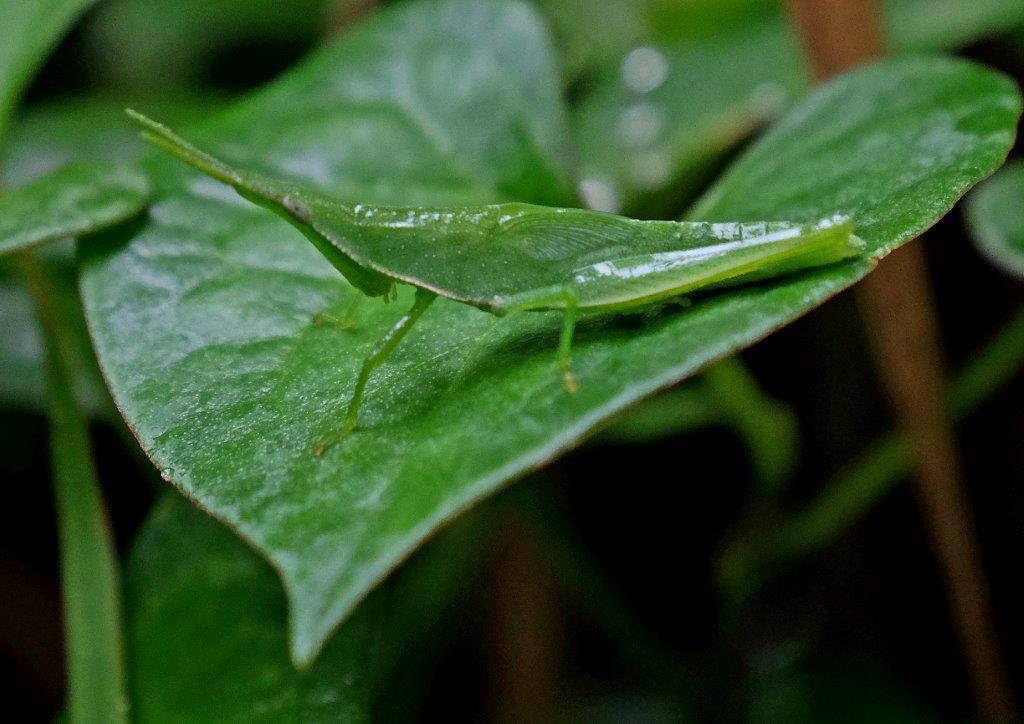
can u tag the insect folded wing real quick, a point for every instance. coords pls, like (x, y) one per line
(738, 254)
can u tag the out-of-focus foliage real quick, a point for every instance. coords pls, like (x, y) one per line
(995, 212)
(208, 635)
(48, 136)
(42, 140)
(78, 199)
(681, 82)
(770, 544)
(22, 363)
(161, 44)
(29, 29)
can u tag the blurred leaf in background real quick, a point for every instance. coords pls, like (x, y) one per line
(995, 213)
(208, 635)
(42, 140)
(28, 33)
(22, 359)
(77, 199)
(162, 44)
(684, 81)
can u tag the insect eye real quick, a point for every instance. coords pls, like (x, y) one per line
(297, 209)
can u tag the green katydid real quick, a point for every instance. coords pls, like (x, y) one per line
(513, 257)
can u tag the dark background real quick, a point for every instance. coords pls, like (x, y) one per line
(862, 627)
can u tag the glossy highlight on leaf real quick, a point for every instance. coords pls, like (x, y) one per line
(80, 198)
(203, 318)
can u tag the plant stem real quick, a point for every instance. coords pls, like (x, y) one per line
(767, 428)
(876, 471)
(897, 302)
(89, 575)
(526, 630)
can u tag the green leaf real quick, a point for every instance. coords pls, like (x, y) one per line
(28, 32)
(42, 140)
(50, 135)
(205, 607)
(22, 354)
(664, 107)
(90, 584)
(656, 121)
(895, 145)
(444, 103)
(995, 215)
(203, 320)
(917, 25)
(80, 198)
(156, 44)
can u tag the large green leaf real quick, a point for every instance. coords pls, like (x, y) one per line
(28, 31)
(203, 606)
(203, 318)
(444, 103)
(80, 198)
(995, 214)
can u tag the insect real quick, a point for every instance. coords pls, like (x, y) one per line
(515, 257)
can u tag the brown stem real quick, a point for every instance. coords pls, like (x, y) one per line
(343, 14)
(897, 303)
(525, 632)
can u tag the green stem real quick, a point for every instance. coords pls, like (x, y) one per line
(89, 573)
(877, 470)
(767, 428)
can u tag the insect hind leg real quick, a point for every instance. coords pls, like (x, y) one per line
(564, 354)
(380, 352)
(567, 298)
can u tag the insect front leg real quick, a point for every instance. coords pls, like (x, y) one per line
(347, 319)
(377, 355)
